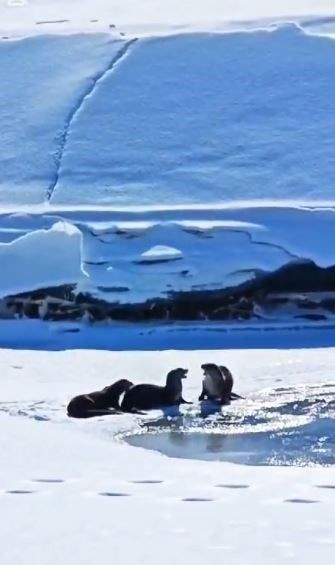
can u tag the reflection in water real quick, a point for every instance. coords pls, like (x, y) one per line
(291, 426)
(208, 408)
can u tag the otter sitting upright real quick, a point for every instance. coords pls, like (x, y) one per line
(100, 402)
(148, 397)
(217, 384)
(229, 382)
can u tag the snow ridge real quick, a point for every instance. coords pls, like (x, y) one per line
(282, 248)
(123, 51)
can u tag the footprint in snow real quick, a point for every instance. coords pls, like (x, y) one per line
(147, 482)
(50, 481)
(301, 500)
(19, 491)
(197, 499)
(233, 486)
(117, 494)
(330, 487)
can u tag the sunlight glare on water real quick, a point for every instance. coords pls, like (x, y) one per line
(286, 426)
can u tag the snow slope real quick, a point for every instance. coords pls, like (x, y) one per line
(42, 79)
(70, 487)
(207, 118)
(196, 118)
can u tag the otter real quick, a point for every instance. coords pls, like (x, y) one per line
(149, 397)
(217, 384)
(100, 402)
(230, 383)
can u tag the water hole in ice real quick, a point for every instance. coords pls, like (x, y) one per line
(283, 426)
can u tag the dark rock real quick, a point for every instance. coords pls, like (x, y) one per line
(64, 314)
(30, 310)
(307, 304)
(6, 311)
(62, 292)
(300, 277)
(113, 288)
(315, 317)
(234, 303)
(96, 313)
(272, 300)
(328, 304)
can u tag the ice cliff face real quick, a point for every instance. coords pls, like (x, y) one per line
(168, 264)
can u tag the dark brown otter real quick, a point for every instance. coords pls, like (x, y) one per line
(229, 382)
(149, 397)
(217, 384)
(100, 402)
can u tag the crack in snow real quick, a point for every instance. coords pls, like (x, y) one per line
(63, 138)
(266, 243)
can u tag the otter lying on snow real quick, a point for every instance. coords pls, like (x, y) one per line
(148, 397)
(217, 384)
(98, 403)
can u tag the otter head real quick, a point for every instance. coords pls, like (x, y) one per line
(213, 371)
(213, 381)
(114, 391)
(173, 379)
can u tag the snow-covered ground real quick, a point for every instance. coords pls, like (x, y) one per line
(73, 490)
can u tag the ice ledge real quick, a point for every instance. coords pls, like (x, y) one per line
(299, 290)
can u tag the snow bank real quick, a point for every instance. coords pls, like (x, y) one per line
(151, 17)
(41, 259)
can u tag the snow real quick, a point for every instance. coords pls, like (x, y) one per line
(196, 118)
(42, 80)
(207, 118)
(42, 257)
(152, 252)
(57, 336)
(160, 253)
(262, 521)
(151, 16)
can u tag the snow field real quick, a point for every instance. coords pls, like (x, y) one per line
(63, 481)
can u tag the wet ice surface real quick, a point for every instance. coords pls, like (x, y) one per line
(284, 426)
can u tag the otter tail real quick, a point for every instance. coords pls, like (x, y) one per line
(235, 396)
(91, 413)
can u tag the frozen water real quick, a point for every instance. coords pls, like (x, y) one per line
(288, 426)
